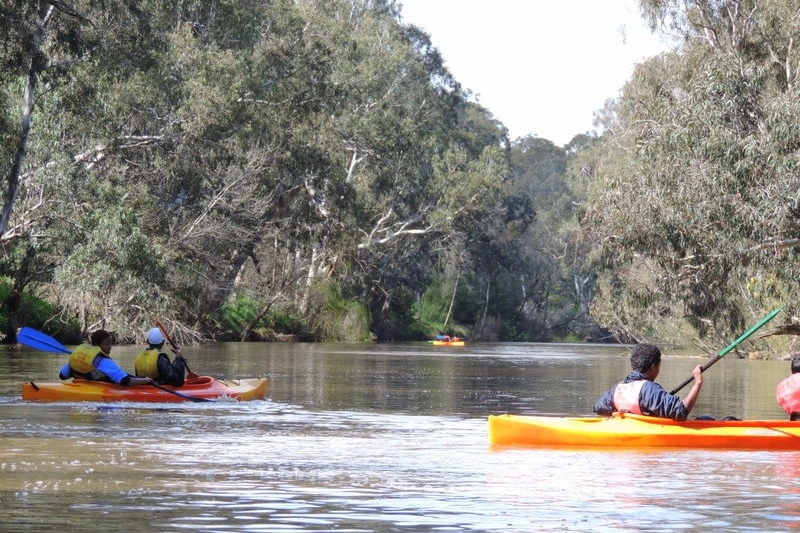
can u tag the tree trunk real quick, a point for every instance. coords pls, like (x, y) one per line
(485, 305)
(452, 302)
(245, 332)
(13, 303)
(13, 174)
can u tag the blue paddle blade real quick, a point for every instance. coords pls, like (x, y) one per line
(40, 341)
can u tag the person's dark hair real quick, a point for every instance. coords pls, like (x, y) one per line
(99, 336)
(796, 363)
(644, 356)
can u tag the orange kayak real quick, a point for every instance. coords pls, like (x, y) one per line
(636, 431)
(201, 388)
(448, 343)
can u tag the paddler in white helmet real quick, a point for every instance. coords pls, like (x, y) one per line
(155, 364)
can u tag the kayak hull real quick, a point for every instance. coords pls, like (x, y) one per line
(636, 431)
(448, 343)
(201, 387)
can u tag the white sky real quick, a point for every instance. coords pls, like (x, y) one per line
(541, 67)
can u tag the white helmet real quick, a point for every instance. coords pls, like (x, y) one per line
(154, 336)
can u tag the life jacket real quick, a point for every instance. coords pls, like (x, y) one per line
(81, 362)
(788, 394)
(626, 396)
(146, 364)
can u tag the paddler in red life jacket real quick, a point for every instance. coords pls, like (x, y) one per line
(788, 391)
(93, 362)
(639, 394)
(155, 364)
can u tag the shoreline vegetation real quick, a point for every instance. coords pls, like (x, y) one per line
(312, 170)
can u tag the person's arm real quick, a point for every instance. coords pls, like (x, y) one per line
(66, 372)
(172, 373)
(691, 397)
(605, 405)
(134, 381)
(655, 401)
(179, 366)
(115, 373)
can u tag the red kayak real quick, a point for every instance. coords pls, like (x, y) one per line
(197, 389)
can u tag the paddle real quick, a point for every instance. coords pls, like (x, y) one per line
(40, 341)
(189, 373)
(730, 347)
(182, 395)
(46, 343)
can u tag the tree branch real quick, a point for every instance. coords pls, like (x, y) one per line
(393, 231)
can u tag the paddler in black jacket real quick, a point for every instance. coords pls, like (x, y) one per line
(155, 364)
(638, 393)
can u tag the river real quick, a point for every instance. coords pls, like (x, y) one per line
(381, 438)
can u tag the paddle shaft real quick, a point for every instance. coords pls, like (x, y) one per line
(182, 395)
(160, 326)
(166, 334)
(730, 347)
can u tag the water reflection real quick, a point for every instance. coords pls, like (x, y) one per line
(380, 438)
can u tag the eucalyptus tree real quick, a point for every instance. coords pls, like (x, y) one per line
(696, 210)
(167, 152)
(541, 283)
(539, 176)
(146, 119)
(195, 150)
(388, 170)
(39, 46)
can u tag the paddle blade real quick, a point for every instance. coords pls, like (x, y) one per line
(40, 341)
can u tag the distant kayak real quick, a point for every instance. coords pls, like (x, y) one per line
(637, 431)
(200, 388)
(448, 343)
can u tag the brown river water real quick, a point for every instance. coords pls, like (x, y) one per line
(381, 438)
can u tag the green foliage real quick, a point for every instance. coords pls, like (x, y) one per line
(400, 320)
(34, 312)
(432, 308)
(238, 312)
(335, 318)
(694, 183)
(114, 269)
(434, 302)
(213, 161)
